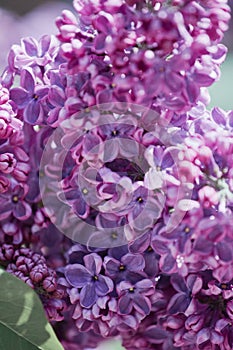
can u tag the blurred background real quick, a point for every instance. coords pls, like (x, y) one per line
(36, 18)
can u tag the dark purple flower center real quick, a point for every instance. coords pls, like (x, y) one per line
(104, 312)
(15, 199)
(124, 167)
(131, 290)
(35, 97)
(115, 133)
(121, 268)
(114, 235)
(217, 305)
(225, 286)
(140, 200)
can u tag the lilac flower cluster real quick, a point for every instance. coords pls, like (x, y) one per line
(31, 268)
(116, 182)
(175, 42)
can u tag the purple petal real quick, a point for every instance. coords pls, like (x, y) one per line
(230, 117)
(104, 96)
(203, 335)
(203, 79)
(80, 207)
(41, 91)
(99, 43)
(77, 275)
(192, 90)
(6, 208)
(125, 305)
(118, 252)
(167, 160)
(178, 283)
(110, 150)
(111, 266)
(155, 335)
(130, 321)
(157, 155)
(53, 115)
(45, 44)
(224, 251)
(194, 284)
(22, 211)
(142, 304)
(34, 189)
(174, 81)
(168, 263)
(133, 262)
(32, 112)
(103, 285)
(218, 116)
(72, 193)
(56, 96)
(27, 81)
(151, 264)
(102, 24)
(128, 148)
(20, 96)
(160, 245)
(140, 244)
(216, 338)
(91, 143)
(88, 295)
(93, 263)
(203, 246)
(178, 303)
(30, 46)
(144, 285)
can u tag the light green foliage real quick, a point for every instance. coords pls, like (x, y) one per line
(23, 325)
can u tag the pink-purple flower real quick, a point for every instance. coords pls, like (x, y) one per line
(116, 182)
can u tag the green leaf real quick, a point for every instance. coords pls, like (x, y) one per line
(23, 325)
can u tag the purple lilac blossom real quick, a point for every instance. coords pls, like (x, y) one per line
(115, 106)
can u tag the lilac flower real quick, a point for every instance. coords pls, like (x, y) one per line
(11, 232)
(141, 186)
(12, 202)
(14, 160)
(33, 53)
(181, 300)
(135, 296)
(57, 97)
(7, 162)
(9, 123)
(92, 283)
(109, 232)
(79, 205)
(144, 204)
(117, 137)
(119, 268)
(29, 97)
(143, 245)
(31, 268)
